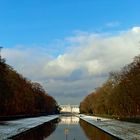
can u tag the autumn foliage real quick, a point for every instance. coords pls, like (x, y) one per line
(19, 96)
(119, 96)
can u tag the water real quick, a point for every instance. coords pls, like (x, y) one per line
(66, 128)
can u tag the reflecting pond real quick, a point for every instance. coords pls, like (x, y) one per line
(65, 128)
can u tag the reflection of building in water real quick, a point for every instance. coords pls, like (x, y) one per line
(70, 108)
(69, 120)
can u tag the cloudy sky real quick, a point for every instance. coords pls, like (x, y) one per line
(69, 46)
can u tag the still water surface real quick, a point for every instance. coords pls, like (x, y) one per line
(65, 128)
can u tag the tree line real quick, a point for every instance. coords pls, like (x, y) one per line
(19, 96)
(119, 96)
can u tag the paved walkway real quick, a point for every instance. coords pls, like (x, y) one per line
(15, 127)
(120, 129)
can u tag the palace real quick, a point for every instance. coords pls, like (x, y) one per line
(69, 108)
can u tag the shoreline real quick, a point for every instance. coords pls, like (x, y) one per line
(119, 129)
(10, 129)
(15, 117)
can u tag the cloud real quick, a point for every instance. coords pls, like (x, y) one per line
(136, 30)
(28, 61)
(83, 66)
(113, 24)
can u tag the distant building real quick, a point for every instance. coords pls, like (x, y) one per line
(69, 108)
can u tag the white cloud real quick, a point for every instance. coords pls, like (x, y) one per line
(136, 30)
(113, 24)
(28, 61)
(82, 67)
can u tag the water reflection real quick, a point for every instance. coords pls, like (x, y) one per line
(94, 133)
(69, 120)
(39, 133)
(69, 128)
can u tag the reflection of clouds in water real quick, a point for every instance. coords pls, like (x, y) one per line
(69, 120)
(68, 128)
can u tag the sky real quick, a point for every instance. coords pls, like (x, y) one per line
(69, 46)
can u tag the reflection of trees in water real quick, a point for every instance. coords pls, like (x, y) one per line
(94, 133)
(39, 133)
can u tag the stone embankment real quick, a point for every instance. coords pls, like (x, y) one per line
(11, 128)
(119, 129)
